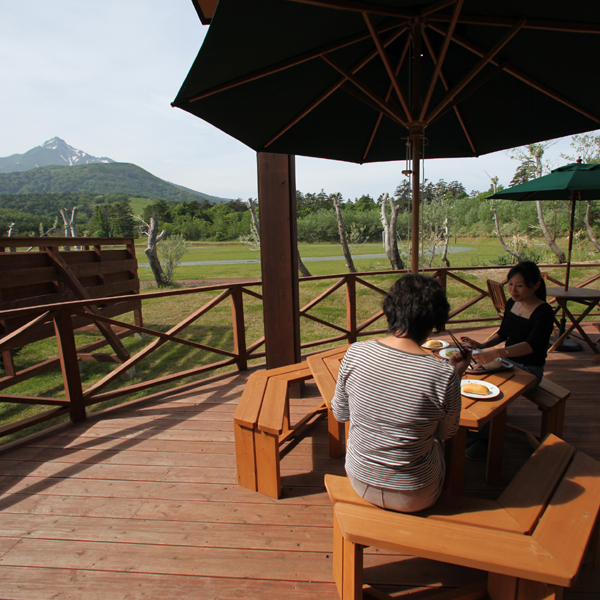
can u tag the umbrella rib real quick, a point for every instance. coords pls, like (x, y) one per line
(292, 62)
(387, 108)
(353, 6)
(387, 98)
(562, 26)
(520, 75)
(450, 95)
(441, 58)
(445, 84)
(332, 89)
(437, 6)
(388, 67)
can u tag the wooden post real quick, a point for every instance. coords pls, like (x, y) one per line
(67, 353)
(443, 279)
(351, 308)
(279, 257)
(239, 328)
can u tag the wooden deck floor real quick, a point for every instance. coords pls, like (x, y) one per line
(144, 504)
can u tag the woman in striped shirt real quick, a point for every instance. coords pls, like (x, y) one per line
(401, 401)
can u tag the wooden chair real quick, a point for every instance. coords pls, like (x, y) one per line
(497, 296)
(531, 542)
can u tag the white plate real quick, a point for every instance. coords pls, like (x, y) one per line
(503, 365)
(493, 390)
(444, 345)
(448, 352)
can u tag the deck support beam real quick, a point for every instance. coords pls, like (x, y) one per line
(279, 257)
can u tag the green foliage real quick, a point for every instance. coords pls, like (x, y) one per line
(95, 179)
(170, 253)
(113, 220)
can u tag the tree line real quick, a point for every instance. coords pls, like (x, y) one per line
(447, 211)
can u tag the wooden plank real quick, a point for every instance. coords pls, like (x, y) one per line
(477, 512)
(323, 377)
(274, 405)
(245, 457)
(567, 524)
(150, 490)
(176, 559)
(82, 294)
(501, 552)
(14, 276)
(104, 268)
(256, 536)
(527, 495)
(268, 472)
(78, 584)
(9, 340)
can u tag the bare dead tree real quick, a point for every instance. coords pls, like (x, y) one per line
(46, 233)
(12, 230)
(588, 226)
(150, 230)
(517, 255)
(255, 225)
(532, 166)
(446, 241)
(389, 232)
(69, 223)
(253, 240)
(342, 231)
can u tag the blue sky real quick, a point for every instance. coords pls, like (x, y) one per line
(101, 75)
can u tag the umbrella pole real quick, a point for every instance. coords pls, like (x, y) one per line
(416, 176)
(571, 228)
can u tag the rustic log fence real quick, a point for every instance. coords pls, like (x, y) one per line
(66, 317)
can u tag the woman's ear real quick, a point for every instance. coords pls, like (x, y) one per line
(537, 285)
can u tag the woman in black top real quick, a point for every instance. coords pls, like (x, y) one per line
(526, 328)
(527, 324)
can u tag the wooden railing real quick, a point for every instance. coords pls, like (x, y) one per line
(352, 325)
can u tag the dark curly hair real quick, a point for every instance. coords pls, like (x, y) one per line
(414, 306)
(531, 275)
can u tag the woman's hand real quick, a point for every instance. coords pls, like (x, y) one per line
(474, 345)
(461, 360)
(486, 356)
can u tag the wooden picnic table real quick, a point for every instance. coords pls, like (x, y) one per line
(474, 415)
(588, 297)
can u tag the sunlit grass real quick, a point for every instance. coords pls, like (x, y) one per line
(214, 329)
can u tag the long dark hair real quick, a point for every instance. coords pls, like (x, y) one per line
(531, 275)
(415, 305)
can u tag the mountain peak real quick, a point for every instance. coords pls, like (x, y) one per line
(55, 151)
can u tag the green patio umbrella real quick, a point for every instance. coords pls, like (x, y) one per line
(355, 80)
(575, 181)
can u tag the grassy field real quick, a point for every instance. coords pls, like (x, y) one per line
(214, 329)
(483, 252)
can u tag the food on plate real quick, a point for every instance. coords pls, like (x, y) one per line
(493, 364)
(475, 388)
(433, 344)
(450, 353)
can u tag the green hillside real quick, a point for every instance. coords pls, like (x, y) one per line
(100, 178)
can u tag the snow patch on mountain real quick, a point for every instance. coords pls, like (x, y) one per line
(71, 156)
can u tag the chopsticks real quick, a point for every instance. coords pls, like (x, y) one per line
(461, 348)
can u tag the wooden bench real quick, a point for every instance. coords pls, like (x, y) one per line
(325, 367)
(531, 541)
(551, 400)
(262, 425)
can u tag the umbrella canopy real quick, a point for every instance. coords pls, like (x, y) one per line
(354, 80)
(575, 181)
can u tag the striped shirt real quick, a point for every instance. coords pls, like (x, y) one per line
(397, 404)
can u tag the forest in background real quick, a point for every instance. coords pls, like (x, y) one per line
(447, 211)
